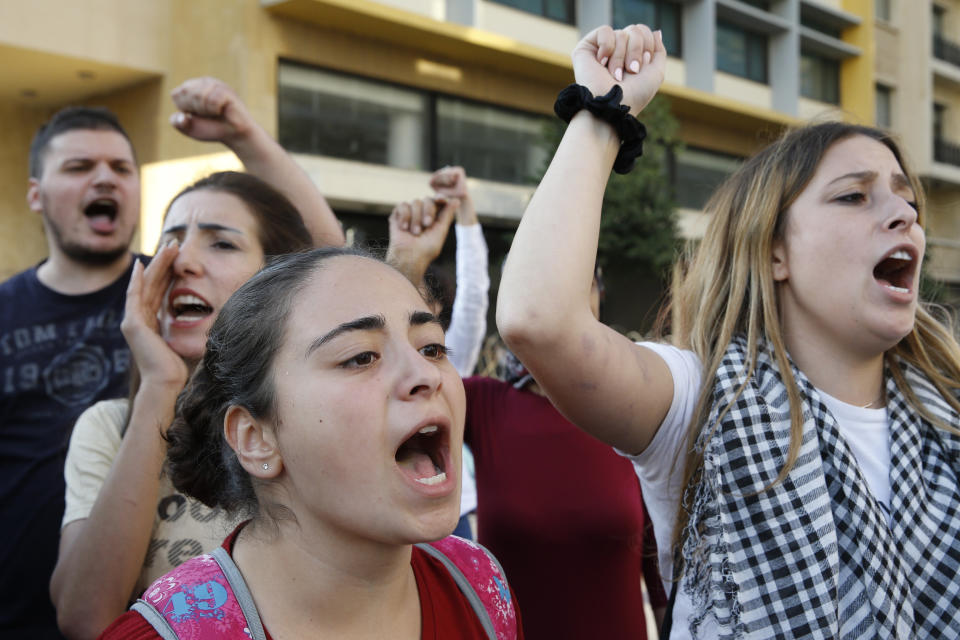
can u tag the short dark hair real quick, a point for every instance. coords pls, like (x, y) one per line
(236, 371)
(72, 119)
(280, 227)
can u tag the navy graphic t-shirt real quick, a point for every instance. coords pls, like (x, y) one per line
(58, 355)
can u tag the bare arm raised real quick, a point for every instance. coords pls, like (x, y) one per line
(600, 380)
(209, 110)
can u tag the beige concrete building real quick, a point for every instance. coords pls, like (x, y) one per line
(918, 96)
(371, 96)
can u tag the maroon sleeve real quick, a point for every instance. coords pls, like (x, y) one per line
(516, 610)
(484, 400)
(651, 568)
(469, 387)
(130, 626)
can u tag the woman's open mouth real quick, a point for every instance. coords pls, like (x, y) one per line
(187, 306)
(425, 455)
(897, 271)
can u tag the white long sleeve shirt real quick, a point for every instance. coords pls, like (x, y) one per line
(468, 326)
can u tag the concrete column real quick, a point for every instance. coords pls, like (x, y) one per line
(914, 94)
(700, 43)
(405, 143)
(784, 59)
(462, 11)
(592, 14)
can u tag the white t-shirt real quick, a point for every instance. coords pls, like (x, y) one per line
(660, 468)
(183, 527)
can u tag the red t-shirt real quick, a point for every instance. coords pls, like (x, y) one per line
(444, 612)
(563, 514)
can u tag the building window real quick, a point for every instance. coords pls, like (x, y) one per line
(351, 118)
(884, 107)
(823, 26)
(489, 142)
(943, 47)
(657, 14)
(342, 116)
(944, 150)
(560, 10)
(698, 172)
(741, 52)
(819, 78)
(882, 9)
(759, 4)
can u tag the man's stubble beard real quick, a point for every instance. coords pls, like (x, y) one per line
(81, 254)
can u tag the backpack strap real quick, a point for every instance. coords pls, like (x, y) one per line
(205, 597)
(482, 581)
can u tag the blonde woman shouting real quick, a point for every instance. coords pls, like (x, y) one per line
(796, 434)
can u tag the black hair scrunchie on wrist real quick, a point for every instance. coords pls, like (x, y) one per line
(607, 108)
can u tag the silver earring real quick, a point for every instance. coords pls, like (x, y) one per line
(266, 467)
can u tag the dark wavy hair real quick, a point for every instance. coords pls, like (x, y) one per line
(236, 371)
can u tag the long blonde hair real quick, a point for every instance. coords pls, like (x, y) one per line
(725, 286)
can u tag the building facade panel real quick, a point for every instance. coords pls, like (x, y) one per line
(522, 26)
(468, 58)
(888, 47)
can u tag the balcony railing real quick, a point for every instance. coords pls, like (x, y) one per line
(946, 50)
(944, 151)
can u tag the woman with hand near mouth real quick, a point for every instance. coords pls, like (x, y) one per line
(326, 411)
(797, 440)
(124, 524)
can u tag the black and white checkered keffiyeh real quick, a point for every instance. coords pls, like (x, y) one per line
(814, 557)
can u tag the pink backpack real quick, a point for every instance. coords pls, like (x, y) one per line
(206, 597)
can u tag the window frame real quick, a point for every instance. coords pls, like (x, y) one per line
(939, 121)
(676, 162)
(658, 7)
(428, 133)
(822, 93)
(748, 37)
(887, 93)
(883, 10)
(431, 98)
(571, 7)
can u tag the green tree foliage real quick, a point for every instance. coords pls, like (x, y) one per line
(638, 229)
